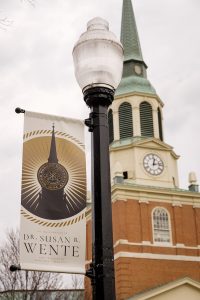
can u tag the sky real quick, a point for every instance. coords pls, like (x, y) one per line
(37, 74)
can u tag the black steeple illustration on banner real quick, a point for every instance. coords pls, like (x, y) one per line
(53, 178)
(53, 154)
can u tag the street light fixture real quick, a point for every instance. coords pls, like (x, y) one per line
(98, 61)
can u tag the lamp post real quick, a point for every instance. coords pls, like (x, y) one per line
(98, 61)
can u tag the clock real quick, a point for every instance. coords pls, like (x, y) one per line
(153, 164)
(52, 176)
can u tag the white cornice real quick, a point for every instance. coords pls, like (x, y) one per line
(156, 256)
(131, 94)
(154, 194)
(157, 244)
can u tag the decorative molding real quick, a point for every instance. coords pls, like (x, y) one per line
(176, 204)
(154, 194)
(144, 201)
(196, 205)
(120, 242)
(119, 198)
(151, 255)
(157, 244)
(146, 243)
(156, 256)
(180, 245)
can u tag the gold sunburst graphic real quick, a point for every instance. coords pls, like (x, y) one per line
(70, 169)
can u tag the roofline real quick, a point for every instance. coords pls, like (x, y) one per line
(148, 294)
(156, 190)
(140, 94)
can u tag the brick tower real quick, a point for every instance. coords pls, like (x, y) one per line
(156, 224)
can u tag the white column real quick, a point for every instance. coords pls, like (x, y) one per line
(116, 124)
(155, 123)
(136, 120)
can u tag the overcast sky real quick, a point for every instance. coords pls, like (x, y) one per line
(36, 73)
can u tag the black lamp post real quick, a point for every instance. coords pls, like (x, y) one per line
(98, 60)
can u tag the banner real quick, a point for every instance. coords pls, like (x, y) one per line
(53, 196)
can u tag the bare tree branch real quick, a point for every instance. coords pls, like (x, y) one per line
(77, 284)
(22, 280)
(5, 22)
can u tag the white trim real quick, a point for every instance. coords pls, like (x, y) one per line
(148, 243)
(169, 225)
(143, 201)
(121, 242)
(154, 194)
(196, 205)
(178, 245)
(164, 289)
(151, 255)
(177, 204)
(119, 198)
(161, 245)
(156, 256)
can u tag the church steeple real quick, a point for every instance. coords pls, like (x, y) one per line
(137, 109)
(53, 154)
(129, 34)
(134, 78)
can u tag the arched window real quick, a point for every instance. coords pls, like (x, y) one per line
(146, 119)
(125, 120)
(110, 125)
(160, 124)
(161, 225)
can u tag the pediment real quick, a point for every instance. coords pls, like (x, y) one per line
(185, 288)
(156, 144)
(141, 142)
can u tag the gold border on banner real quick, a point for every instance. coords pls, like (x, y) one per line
(48, 132)
(51, 223)
(37, 220)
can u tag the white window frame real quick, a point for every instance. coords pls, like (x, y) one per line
(169, 227)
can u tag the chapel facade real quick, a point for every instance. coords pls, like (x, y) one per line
(156, 224)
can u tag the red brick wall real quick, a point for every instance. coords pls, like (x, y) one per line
(143, 274)
(132, 222)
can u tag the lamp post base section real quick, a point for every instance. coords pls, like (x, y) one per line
(101, 271)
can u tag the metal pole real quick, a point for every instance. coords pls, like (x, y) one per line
(102, 269)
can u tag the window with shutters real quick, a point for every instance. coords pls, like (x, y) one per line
(161, 225)
(125, 120)
(160, 125)
(146, 119)
(110, 125)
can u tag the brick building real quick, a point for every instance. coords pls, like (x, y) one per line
(156, 225)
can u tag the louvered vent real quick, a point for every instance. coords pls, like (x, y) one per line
(110, 125)
(125, 120)
(160, 124)
(146, 119)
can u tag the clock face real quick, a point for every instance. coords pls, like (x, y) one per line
(52, 176)
(153, 164)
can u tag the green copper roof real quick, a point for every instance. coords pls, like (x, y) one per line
(129, 34)
(134, 78)
(135, 84)
(126, 141)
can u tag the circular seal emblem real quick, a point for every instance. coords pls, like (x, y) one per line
(52, 176)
